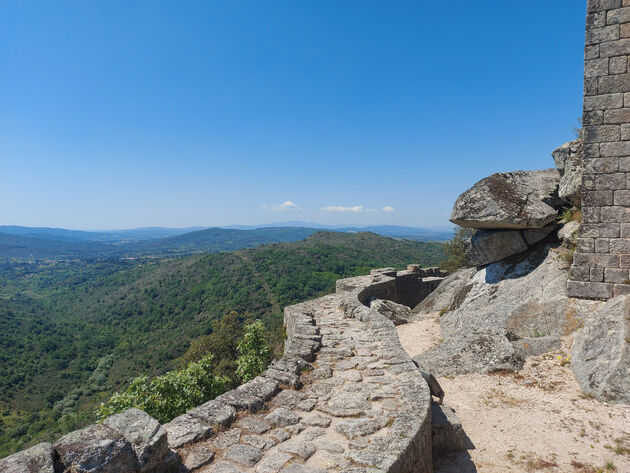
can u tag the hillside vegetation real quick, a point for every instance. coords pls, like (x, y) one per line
(59, 245)
(75, 332)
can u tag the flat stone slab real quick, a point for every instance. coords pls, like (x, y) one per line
(37, 459)
(96, 449)
(282, 417)
(244, 455)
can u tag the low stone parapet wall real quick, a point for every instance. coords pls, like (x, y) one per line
(344, 397)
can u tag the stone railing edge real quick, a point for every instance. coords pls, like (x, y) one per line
(135, 437)
(416, 456)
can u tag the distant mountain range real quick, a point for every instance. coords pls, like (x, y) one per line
(26, 243)
(61, 234)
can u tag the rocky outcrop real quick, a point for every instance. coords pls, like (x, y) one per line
(145, 435)
(510, 212)
(37, 459)
(568, 234)
(477, 350)
(504, 312)
(601, 352)
(96, 449)
(568, 159)
(488, 246)
(399, 314)
(511, 200)
(445, 294)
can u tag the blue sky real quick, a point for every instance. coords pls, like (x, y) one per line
(119, 114)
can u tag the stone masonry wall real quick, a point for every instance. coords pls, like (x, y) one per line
(345, 397)
(601, 264)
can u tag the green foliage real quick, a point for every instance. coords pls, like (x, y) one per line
(572, 214)
(253, 352)
(222, 343)
(454, 250)
(167, 396)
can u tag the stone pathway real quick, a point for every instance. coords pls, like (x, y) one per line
(348, 417)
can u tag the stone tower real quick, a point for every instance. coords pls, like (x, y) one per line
(601, 265)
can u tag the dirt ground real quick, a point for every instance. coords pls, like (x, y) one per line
(536, 420)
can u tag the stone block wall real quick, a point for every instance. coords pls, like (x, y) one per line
(408, 287)
(601, 264)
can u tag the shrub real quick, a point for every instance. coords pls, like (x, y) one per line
(455, 250)
(167, 396)
(572, 214)
(253, 352)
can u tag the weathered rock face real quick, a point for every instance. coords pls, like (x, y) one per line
(444, 295)
(37, 459)
(568, 159)
(145, 434)
(568, 233)
(475, 350)
(489, 246)
(397, 313)
(96, 449)
(499, 308)
(512, 200)
(601, 352)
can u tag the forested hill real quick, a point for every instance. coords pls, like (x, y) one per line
(72, 332)
(59, 246)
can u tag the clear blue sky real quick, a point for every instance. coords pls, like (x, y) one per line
(118, 114)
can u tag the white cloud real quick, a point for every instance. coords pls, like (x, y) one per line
(338, 208)
(283, 207)
(357, 209)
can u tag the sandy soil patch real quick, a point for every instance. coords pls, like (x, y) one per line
(420, 335)
(536, 420)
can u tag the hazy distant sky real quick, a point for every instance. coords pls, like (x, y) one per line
(117, 114)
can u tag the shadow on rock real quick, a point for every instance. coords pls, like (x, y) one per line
(457, 462)
(517, 266)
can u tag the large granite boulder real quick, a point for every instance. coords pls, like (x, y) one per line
(503, 308)
(489, 246)
(145, 434)
(568, 159)
(475, 350)
(444, 295)
(397, 313)
(37, 459)
(96, 449)
(601, 352)
(511, 200)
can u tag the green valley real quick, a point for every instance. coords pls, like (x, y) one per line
(73, 332)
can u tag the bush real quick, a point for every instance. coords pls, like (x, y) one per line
(167, 396)
(455, 250)
(253, 352)
(572, 214)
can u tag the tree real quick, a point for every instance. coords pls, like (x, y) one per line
(455, 250)
(222, 343)
(167, 396)
(253, 352)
